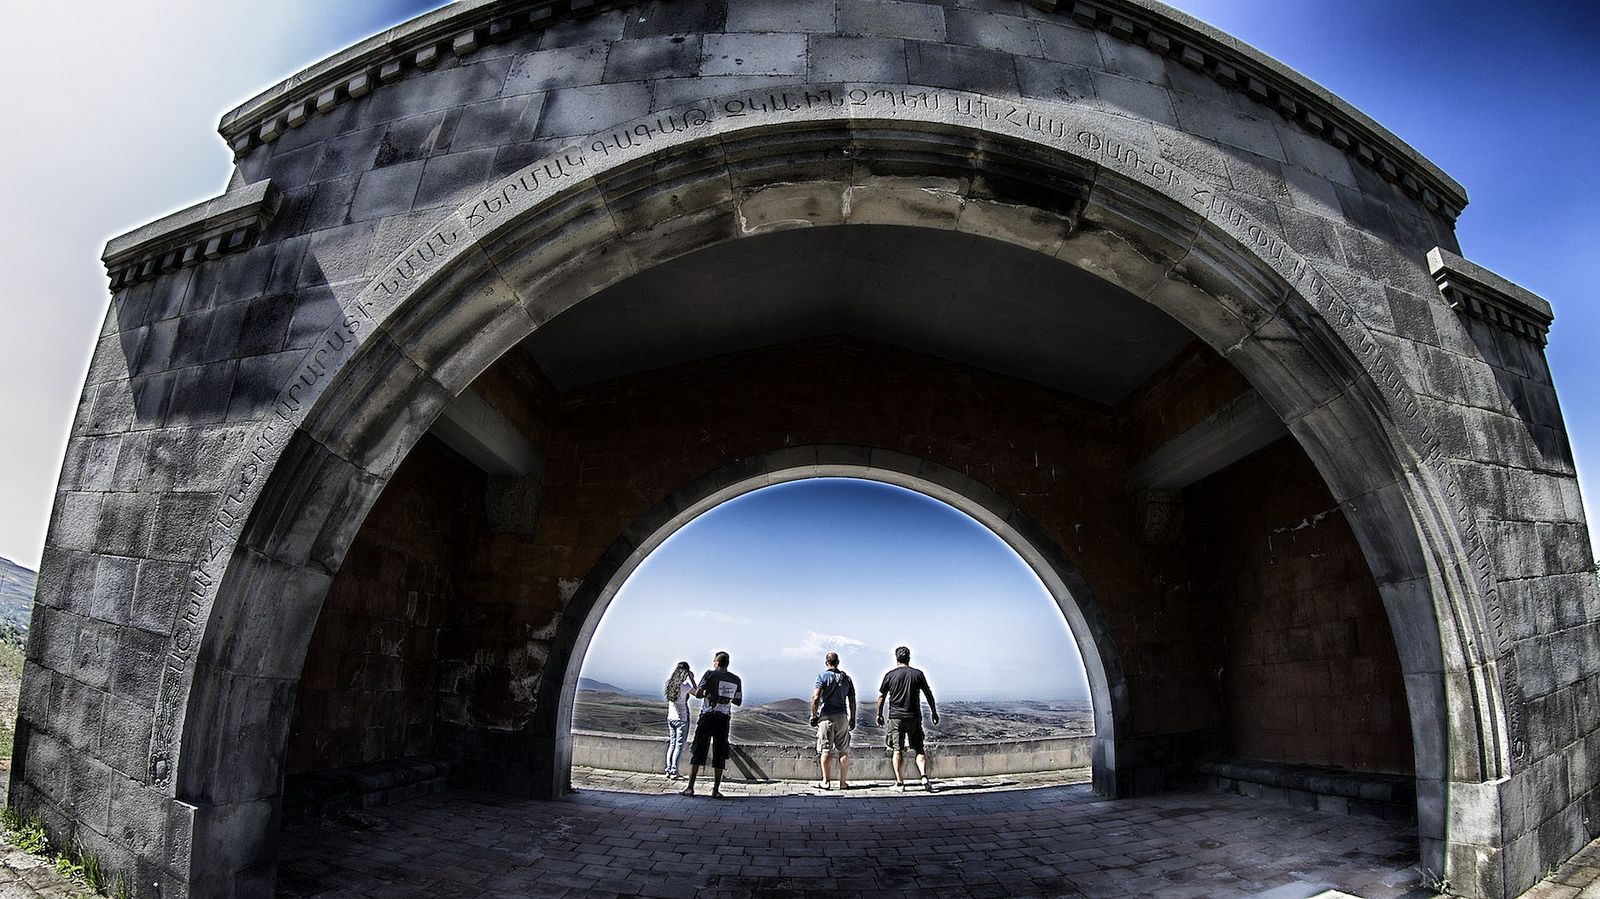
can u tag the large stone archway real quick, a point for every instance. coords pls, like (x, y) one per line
(445, 309)
(385, 322)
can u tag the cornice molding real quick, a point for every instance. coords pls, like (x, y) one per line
(464, 26)
(1246, 70)
(225, 224)
(421, 43)
(1473, 290)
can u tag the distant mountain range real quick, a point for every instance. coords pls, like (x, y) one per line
(787, 721)
(600, 686)
(16, 598)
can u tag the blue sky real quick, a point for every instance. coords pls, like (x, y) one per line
(119, 129)
(780, 576)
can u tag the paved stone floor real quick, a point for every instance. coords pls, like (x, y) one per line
(1013, 836)
(982, 837)
(1579, 878)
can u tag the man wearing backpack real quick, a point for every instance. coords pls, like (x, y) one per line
(833, 714)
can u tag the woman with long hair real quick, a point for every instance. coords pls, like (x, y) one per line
(679, 685)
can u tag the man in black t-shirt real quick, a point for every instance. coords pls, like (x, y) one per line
(903, 687)
(719, 691)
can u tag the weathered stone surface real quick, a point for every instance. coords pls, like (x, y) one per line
(280, 374)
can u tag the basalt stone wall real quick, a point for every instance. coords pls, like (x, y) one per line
(626, 445)
(1194, 385)
(204, 402)
(370, 687)
(1309, 672)
(616, 450)
(1269, 585)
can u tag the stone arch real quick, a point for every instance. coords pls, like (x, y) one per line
(1080, 185)
(1108, 689)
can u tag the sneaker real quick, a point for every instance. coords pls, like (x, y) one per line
(899, 788)
(926, 785)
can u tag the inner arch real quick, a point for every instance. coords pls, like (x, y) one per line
(791, 571)
(1097, 656)
(786, 573)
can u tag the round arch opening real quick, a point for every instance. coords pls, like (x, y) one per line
(786, 571)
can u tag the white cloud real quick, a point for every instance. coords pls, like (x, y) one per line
(814, 645)
(718, 617)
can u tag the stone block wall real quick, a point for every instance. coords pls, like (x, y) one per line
(1291, 618)
(1309, 671)
(369, 689)
(626, 445)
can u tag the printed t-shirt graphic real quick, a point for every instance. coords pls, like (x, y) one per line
(721, 691)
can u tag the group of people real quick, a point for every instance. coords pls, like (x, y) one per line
(833, 714)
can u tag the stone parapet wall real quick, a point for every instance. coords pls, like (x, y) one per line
(762, 762)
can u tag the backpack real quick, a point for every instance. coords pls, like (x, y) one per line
(839, 682)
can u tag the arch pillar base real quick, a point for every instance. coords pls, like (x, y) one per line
(1155, 763)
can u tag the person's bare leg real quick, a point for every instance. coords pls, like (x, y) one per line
(922, 768)
(694, 771)
(844, 770)
(899, 756)
(716, 783)
(827, 778)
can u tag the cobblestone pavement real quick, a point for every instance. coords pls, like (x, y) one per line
(1579, 878)
(628, 834)
(1012, 836)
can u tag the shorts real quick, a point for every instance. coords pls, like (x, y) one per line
(833, 734)
(711, 731)
(901, 731)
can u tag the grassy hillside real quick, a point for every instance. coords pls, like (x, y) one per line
(16, 605)
(786, 721)
(16, 596)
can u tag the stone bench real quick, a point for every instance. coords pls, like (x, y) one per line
(1391, 797)
(311, 795)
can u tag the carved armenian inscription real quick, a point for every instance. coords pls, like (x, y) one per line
(1380, 366)
(1072, 131)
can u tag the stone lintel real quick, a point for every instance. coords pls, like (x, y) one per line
(486, 438)
(1473, 290)
(1222, 438)
(223, 224)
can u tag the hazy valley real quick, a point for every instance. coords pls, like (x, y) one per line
(602, 707)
